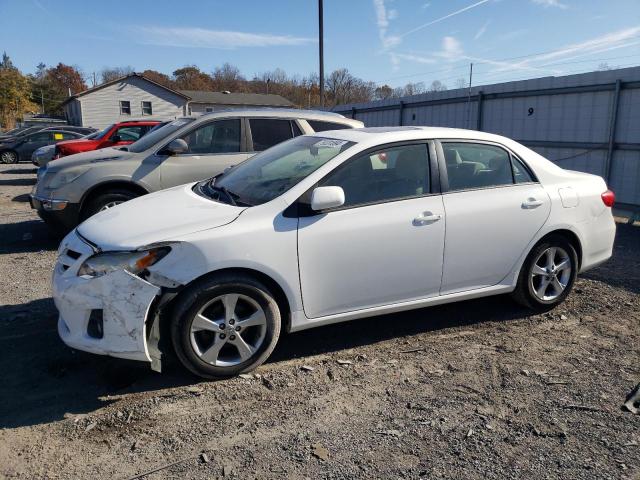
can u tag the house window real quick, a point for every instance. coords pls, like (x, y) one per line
(208, 109)
(125, 107)
(146, 108)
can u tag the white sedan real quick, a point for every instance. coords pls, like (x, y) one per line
(322, 229)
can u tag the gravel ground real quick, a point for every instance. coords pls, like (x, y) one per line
(479, 389)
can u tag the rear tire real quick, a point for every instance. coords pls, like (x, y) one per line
(225, 325)
(9, 156)
(547, 275)
(105, 201)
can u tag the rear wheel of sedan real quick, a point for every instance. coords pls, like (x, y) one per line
(9, 156)
(225, 325)
(105, 201)
(548, 274)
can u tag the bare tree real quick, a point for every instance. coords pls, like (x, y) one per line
(437, 86)
(461, 83)
(112, 73)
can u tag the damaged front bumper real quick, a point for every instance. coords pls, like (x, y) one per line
(105, 315)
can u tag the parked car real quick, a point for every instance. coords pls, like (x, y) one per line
(19, 132)
(118, 134)
(73, 128)
(44, 155)
(322, 229)
(21, 148)
(187, 149)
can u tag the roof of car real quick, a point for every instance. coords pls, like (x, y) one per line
(280, 113)
(233, 98)
(390, 134)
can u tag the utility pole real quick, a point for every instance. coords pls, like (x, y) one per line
(42, 101)
(268, 82)
(469, 95)
(320, 41)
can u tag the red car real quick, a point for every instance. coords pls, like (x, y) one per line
(122, 133)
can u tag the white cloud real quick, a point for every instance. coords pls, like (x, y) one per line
(384, 16)
(451, 49)
(194, 37)
(482, 30)
(551, 3)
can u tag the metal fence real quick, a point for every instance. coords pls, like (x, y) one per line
(588, 122)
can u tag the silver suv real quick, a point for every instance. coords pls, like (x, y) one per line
(185, 150)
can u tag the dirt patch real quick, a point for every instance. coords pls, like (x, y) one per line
(479, 389)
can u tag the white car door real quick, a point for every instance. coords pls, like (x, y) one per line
(385, 245)
(213, 146)
(493, 208)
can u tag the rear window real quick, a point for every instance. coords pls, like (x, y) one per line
(321, 126)
(267, 132)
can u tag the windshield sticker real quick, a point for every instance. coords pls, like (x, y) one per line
(329, 143)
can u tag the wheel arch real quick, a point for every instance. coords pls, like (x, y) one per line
(569, 236)
(274, 287)
(104, 187)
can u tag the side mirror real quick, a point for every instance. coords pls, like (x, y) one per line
(176, 147)
(115, 138)
(323, 198)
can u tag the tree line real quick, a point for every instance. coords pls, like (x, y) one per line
(45, 90)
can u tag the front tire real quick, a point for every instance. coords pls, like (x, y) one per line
(547, 275)
(9, 156)
(107, 200)
(225, 325)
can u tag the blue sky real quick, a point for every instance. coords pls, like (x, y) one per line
(387, 41)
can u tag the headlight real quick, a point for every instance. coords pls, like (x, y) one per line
(62, 178)
(133, 262)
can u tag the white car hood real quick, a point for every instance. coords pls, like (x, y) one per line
(157, 217)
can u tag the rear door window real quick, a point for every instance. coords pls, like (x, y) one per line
(267, 132)
(221, 136)
(476, 165)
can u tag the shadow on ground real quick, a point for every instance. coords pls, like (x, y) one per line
(54, 380)
(27, 236)
(19, 171)
(17, 182)
(626, 258)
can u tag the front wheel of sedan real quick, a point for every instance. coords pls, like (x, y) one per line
(547, 275)
(225, 326)
(9, 156)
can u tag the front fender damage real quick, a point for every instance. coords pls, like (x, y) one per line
(124, 300)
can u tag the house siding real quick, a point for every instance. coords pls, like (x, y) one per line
(101, 107)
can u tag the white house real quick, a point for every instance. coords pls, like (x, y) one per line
(136, 97)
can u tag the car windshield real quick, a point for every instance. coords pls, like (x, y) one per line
(100, 135)
(153, 137)
(274, 171)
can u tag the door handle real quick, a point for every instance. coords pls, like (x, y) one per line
(425, 218)
(531, 203)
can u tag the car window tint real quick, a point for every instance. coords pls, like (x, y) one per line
(267, 132)
(521, 173)
(222, 136)
(320, 126)
(474, 165)
(40, 137)
(131, 133)
(389, 174)
(296, 129)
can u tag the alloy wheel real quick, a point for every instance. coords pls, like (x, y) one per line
(109, 205)
(228, 330)
(8, 157)
(550, 274)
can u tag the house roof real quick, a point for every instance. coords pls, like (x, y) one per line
(222, 98)
(120, 79)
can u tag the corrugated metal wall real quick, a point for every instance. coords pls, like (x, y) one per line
(569, 120)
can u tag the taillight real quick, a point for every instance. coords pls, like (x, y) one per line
(608, 198)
